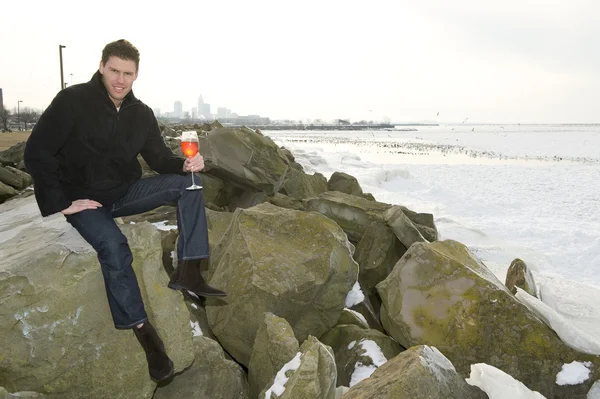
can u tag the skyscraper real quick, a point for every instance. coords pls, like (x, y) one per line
(205, 112)
(178, 109)
(1, 100)
(200, 103)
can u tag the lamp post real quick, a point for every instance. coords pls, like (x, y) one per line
(62, 78)
(19, 113)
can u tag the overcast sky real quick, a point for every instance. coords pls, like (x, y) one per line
(509, 61)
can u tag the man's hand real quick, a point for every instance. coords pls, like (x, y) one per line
(81, 205)
(194, 164)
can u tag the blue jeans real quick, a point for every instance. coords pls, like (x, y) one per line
(99, 229)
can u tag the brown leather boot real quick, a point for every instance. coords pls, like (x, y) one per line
(160, 366)
(188, 277)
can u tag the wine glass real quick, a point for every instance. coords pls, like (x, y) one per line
(189, 147)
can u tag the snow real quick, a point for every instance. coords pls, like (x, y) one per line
(164, 226)
(569, 333)
(278, 386)
(355, 296)
(362, 371)
(574, 373)
(196, 330)
(499, 385)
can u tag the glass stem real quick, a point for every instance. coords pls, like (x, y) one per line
(193, 183)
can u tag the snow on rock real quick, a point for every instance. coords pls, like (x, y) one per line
(573, 373)
(566, 330)
(499, 385)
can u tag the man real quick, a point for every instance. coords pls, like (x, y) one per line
(82, 155)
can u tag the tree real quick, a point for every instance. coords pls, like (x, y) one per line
(29, 115)
(4, 117)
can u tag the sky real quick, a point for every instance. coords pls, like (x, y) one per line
(515, 61)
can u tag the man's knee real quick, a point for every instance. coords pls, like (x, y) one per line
(114, 251)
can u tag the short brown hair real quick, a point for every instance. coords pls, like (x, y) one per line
(122, 49)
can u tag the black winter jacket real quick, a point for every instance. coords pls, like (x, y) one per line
(83, 148)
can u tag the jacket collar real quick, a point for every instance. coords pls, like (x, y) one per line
(96, 81)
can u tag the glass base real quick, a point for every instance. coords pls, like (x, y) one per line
(194, 187)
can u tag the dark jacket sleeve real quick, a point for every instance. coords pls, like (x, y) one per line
(156, 152)
(47, 138)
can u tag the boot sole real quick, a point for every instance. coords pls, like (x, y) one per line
(166, 377)
(178, 287)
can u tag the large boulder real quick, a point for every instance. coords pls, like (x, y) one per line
(420, 372)
(403, 227)
(13, 156)
(301, 185)
(6, 192)
(15, 178)
(376, 254)
(353, 214)
(56, 329)
(244, 158)
(440, 294)
(340, 181)
(297, 265)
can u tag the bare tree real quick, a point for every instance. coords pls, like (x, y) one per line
(4, 118)
(29, 115)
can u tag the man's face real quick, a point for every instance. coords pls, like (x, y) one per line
(118, 76)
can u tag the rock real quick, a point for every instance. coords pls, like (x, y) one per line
(357, 349)
(353, 214)
(369, 312)
(211, 376)
(274, 346)
(164, 213)
(368, 196)
(13, 156)
(284, 201)
(218, 223)
(199, 321)
(301, 185)
(313, 375)
(340, 181)
(4, 394)
(420, 372)
(352, 317)
(440, 294)
(6, 192)
(294, 264)
(217, 191)
(291, 160)
(248, 199)
(403, 227)
(518, 275)
(57, 332)
(376, 254)
(246, 159)
(15, 178)
(423, 222)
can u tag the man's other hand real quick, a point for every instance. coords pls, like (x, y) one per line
(81, 205)
(194, 164)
